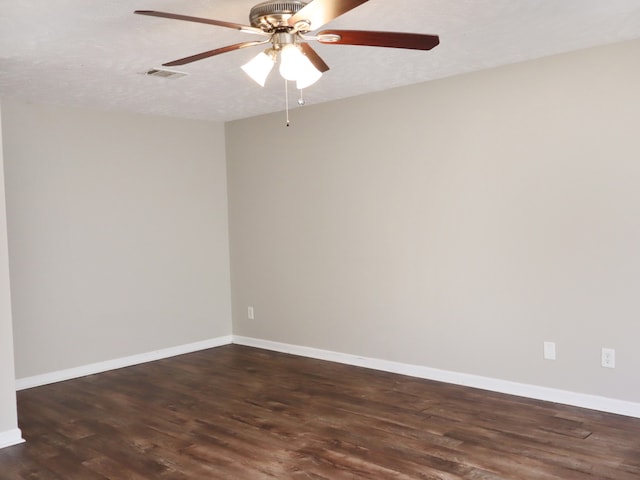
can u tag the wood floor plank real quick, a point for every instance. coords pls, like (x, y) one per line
(241, 413)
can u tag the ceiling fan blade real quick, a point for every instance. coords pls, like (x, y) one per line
(211, 53)
(319, 12)
(413, 41)
(314, 57)
(220, 23)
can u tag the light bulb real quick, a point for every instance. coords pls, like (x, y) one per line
(259, 67)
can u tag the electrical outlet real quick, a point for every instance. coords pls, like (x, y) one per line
(250, 314)
(549, 350)
(608, 358)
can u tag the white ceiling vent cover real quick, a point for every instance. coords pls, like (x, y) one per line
(164, 73)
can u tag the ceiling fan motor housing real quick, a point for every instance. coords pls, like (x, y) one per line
(273, 15)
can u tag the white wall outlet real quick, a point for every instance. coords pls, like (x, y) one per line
(549, 350)
(608, 358)
(250, 314)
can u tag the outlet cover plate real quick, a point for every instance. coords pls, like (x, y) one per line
(608, 358)
(549, 350)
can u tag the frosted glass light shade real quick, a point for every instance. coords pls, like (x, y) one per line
(308, 77)
(259, 67)
(290, 60)
(295, 66)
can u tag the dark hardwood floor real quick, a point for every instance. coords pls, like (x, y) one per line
(242, 413)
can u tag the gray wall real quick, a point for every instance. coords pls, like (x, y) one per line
(8, 414)
(456, 224)
(118, 237)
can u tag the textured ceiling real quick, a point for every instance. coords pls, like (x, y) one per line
(93, 54)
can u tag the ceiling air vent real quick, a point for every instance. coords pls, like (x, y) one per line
(164, 73)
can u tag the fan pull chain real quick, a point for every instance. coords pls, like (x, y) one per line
(286, 100)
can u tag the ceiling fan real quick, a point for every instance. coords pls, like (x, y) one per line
(286, 25)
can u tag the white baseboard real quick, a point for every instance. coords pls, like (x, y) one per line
(10, 438)
(593, 402)
(61, 375)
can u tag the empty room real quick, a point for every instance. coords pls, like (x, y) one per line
(320, 239)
